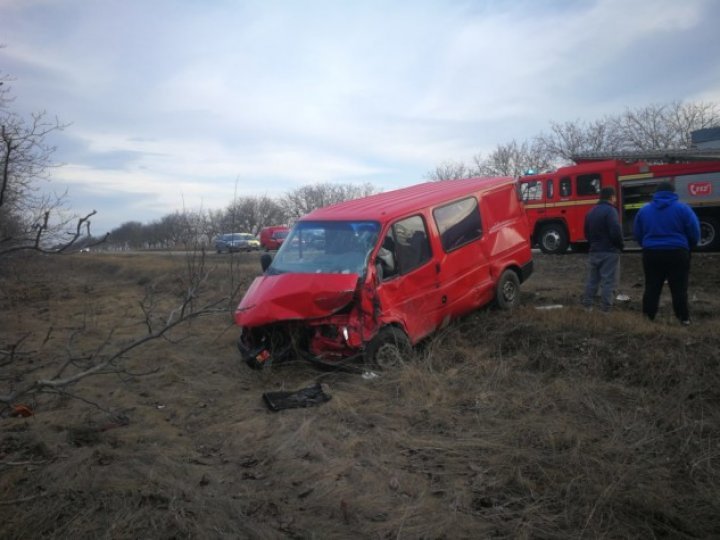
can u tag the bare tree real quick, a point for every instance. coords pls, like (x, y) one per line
(30, 219)
(646, 128)
(450, 170)
(684, 118)
(130, 235)
(250, 214)
(653, 127)
(513, 159)
(660, 127)
(569, 138)
(305, 199)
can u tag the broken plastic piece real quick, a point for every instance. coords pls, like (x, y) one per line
(307, 397)
(21, 410)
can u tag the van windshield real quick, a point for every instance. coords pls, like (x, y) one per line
(327, 247)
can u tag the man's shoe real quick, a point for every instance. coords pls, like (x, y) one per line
(685, 322)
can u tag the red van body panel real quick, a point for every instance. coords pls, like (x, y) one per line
(284, 297)
(413, 258)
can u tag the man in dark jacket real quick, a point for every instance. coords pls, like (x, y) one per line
(604, 234)
(667, 230)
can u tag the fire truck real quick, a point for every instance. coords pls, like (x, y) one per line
(556, 203)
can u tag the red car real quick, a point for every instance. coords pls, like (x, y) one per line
(369, 278)
(271, 238)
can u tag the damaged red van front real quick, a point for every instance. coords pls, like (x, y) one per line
(308, 301)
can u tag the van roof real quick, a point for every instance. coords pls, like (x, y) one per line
(390, 204)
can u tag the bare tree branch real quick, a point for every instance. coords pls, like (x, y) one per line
(182, 313)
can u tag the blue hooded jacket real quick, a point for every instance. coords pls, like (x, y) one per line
(666, 223)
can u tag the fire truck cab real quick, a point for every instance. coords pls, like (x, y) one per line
(557, 202)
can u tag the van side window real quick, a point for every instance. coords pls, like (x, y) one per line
(458, 223)
(588, 184)
(550, 190)
(565, 187)
(412, 247)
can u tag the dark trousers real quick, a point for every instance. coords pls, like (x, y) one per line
(672, 265)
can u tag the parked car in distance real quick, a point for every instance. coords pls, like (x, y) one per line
(232, 242)
(271, 238)
(368, 279)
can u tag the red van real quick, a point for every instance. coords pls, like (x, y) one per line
(367, 279)
(271, 238)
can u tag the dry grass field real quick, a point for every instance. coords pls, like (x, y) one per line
(541, 423)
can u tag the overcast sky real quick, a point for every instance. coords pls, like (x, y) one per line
(182, 104)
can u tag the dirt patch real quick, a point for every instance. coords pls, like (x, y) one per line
(552, 423)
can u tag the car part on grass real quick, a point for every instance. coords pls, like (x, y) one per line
(307, 397)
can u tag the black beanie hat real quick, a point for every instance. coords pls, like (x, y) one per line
(665, 186)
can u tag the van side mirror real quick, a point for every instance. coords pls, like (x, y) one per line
(265, 261)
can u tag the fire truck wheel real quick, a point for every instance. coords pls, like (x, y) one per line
(709, 233)
(553, 239)
(507, 295)
(388, 349)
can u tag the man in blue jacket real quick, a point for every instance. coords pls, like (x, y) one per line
(604, 234)
(667, 230)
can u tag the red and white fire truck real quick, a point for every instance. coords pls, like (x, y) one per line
(556, 203)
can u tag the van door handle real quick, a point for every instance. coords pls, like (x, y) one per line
(444, 299)
(437, 268)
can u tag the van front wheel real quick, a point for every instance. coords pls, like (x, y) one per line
(507, 295)
(388, 349)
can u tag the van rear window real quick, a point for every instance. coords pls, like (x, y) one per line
(458, 223)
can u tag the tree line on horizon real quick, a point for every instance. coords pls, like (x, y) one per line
(653, 127)
(31, 219)
(244, 214)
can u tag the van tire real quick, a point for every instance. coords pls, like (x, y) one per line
(388, 349)
(507, 293)
(553, 239)
(709, 233)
